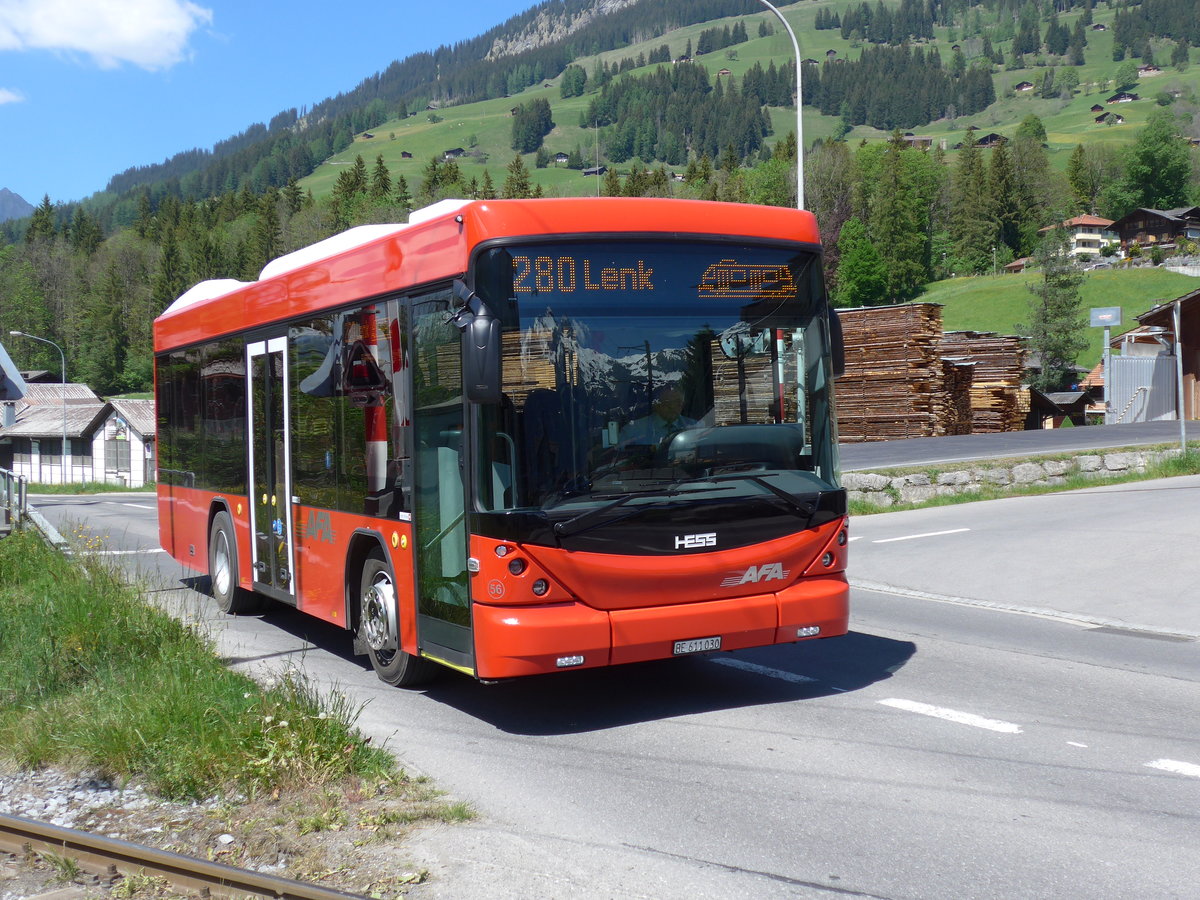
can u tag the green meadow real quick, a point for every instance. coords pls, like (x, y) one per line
(1001, 303)
(484, 129)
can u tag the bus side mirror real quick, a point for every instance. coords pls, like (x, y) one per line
(481, 347)
(837, 348)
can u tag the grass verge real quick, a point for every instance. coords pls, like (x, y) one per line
(1185, 464)
(92, 676)
(95, 680)
(85, 487)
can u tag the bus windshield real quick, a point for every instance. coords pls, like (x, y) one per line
(646, 374)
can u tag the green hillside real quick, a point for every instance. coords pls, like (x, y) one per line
(484, 129)
(1001, 303)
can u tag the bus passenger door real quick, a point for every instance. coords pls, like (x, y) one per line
(439, 504)
(271, 516)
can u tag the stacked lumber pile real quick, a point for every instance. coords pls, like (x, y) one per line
(896, 385)
(957, 377)
(998, 402)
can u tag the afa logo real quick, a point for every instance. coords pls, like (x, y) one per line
(756, 574)
(319, 526)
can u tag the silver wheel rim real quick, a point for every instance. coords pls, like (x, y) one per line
(222, 571)
(377, 600)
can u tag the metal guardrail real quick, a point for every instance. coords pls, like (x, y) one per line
(13, 500)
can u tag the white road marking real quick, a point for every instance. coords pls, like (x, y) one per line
(857, 537)
(913, 537)
(1174, 765)
(763, 670)
(1076, 744)
(139, 505)
(952, 715)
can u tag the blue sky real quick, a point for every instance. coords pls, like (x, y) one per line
(89, 88)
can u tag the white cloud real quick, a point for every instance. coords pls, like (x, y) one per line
(7, 96)
(152, 34)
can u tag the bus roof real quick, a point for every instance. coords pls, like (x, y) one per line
(435, 245)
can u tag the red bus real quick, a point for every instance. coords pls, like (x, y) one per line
(517, 436)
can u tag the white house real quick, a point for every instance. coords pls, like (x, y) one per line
(1087, 234)
(110, 442)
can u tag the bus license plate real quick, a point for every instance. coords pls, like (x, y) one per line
(699, 645)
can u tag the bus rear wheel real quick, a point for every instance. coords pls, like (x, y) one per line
(379, 626)
(223, 569)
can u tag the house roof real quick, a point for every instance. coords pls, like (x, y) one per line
(47, 422)
(41, 394)
(1180, 215)
(1080, 220)
(139, 414)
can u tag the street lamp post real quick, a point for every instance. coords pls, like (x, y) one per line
(66, 447)
(799, 105)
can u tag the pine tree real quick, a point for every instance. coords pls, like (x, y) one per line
(381, 180)
(402, 199)
(84, 233)
(102, 355)
(517, 183)
(612, 183)
(267, 235)
(293, 197)
(1057, 328)
(487, 190)
(1002, 193)
(973, 230)
(898, 226)
(1081, 185)
(171, 278)
(41, 223)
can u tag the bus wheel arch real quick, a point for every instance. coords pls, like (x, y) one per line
(223, 574)
(375, 615)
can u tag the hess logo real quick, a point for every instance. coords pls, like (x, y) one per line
(755, 574)
(695, 541)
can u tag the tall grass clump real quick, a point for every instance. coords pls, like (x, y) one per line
(92, 676)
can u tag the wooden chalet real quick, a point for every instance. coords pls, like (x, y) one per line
(1151, 227)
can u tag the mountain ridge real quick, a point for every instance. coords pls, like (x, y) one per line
(13, 206)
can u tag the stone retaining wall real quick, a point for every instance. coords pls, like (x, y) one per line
(886, 490)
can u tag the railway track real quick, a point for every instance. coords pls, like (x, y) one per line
(111, 858)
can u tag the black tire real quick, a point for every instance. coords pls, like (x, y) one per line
(223, 570)
(376, 589)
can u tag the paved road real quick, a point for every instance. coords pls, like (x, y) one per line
(944, 749)
(966, 447)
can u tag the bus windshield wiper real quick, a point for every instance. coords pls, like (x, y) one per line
(807, 508)
(587, 520)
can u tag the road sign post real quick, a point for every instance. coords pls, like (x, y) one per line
(1106, 317)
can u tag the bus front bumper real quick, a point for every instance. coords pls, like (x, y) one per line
(512, 641)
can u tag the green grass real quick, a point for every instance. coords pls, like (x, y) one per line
(91, 676)
(85, 487)
(1184, 464)
(1001, 303)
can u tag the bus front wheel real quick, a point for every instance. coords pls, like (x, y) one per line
(379, 627)
(223, 569)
